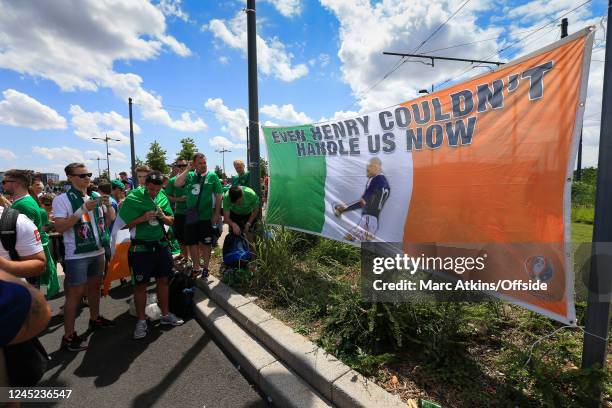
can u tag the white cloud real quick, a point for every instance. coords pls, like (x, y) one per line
(340, 115)
(233, 122)
(98, 124)
(272, 57)
(220, 142)
(400, 25)
(285, 113)
(65, 154)
(172, 8)
(21, 110)
(116, 155)
(223, 60)
(7, 154)
(288, 8)
(76, 47)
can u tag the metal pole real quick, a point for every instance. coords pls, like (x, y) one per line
(99, 172)
(247, 135)
(564, 26)
(107, 157)
(253, 98)
(133, 154)
(597, 316)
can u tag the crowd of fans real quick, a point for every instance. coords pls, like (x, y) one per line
(43, 225)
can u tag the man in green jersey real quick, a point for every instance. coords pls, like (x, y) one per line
(204, 196)
(243, 177)
(178, 196)
(28, 206)
(240, 208)
(146, 211)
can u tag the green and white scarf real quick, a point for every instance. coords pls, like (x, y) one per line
(84, 237)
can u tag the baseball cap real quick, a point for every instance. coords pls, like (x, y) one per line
(118, 183)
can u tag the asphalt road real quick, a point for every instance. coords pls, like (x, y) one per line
(171, 367)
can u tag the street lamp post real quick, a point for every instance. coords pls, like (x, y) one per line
(223, 151)
(106, 139)
(98, 159)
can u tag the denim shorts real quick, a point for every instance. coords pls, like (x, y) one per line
(78, 271)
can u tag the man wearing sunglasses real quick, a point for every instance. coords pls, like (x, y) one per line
(84, 221)
(145, 211)
(178, 197)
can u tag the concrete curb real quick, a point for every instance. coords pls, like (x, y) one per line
(284, 387)
(334, 380)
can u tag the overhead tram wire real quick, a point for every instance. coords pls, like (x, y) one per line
(182, 109)
(403, 60)
(518, 41)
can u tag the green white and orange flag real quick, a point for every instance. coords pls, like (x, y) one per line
(487, 161)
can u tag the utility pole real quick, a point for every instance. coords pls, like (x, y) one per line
(253, 98)
(247, 136)
(597, 317)
(98, 159)
(132, 153)
(223, 151)
(106, 139)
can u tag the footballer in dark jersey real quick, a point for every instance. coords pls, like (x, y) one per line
(371, 203)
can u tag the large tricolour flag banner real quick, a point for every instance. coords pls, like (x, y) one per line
(488, 161)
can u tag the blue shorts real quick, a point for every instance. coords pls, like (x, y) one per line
(78, 271)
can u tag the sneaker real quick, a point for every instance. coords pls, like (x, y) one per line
(74, 343)
(205, 273)
(171, 320)
(101, 323)
(141, 329)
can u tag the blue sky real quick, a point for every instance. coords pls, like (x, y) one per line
(68, 66)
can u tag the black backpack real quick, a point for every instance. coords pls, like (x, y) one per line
(180, 295)
(26, 362)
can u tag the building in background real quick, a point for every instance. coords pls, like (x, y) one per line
(45, 177)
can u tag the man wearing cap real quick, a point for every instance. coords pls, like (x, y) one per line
(146, 211)
(204, 196)
(117, 194)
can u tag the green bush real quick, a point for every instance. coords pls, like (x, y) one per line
(583, 194)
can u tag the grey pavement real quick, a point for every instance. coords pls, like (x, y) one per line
(176, 367)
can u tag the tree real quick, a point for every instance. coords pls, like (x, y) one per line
(156, 158)
(188, 149)
(263, 167)
(220, 173)
(138, 162)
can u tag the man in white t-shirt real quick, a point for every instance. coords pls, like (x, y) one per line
(32, 259)
(84, 222)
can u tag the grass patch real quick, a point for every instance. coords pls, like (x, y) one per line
(584, 215)
(582, 232)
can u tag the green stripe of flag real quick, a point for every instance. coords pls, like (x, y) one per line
(297, 185)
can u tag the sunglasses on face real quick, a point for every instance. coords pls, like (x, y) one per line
(82, 175)
(181, 165)
(156, 182)
(7, 181)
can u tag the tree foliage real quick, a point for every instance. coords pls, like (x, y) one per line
(156, 158)
(188, 149)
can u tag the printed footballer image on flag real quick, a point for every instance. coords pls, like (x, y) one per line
(486, 162)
